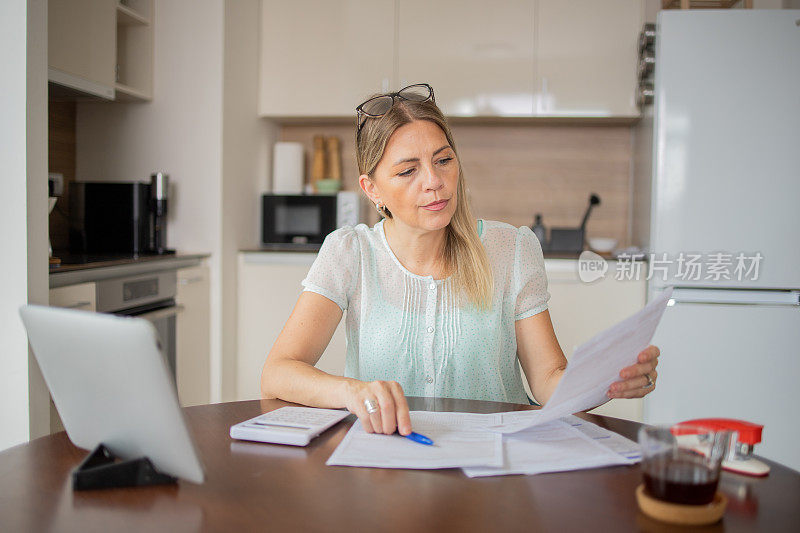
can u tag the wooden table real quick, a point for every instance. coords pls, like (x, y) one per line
(264, 487)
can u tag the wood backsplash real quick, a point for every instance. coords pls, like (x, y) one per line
(514, 171)
(61, 154)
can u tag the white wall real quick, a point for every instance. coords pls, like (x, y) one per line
(202, 129)
(23, 219)
(13, 237)
(246, 156)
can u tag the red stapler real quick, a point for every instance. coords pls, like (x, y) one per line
(745, 436)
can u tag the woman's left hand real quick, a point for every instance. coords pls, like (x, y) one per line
(634, 382)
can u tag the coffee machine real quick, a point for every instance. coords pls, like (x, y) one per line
(159, 186)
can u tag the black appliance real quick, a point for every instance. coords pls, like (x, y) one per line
(115, 218)
(568, 240)
(297, 220)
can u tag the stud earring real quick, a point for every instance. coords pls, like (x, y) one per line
(379, 207)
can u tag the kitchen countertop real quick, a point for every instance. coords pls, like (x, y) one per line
(82, 269)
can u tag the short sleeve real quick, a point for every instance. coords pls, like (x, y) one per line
(530, 279)
(335, 270)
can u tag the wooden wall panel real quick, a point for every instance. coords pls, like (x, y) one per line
(514, 171)
(61, 153)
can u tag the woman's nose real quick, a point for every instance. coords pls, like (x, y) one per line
(433, 181)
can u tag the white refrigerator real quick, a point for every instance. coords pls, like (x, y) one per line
(717, 209)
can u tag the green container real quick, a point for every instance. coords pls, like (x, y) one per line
(328, 186)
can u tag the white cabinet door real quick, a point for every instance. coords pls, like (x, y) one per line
(477, 55)
(193, 345)
(269, 286)
(324, 58)
(81, 44)
(587, 53)
(82, 297)
(581, 310)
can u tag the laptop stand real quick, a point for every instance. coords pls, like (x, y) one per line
(100, 470)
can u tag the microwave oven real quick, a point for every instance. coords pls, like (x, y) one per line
(304, 220)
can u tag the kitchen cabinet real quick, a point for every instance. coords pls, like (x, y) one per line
(477, 55)
(101, 48)
(81, 45)
(586, 57)
(580, 310)
(512, 58)
(193, 344)
(324, 58)
(81, 296)
(269, 286)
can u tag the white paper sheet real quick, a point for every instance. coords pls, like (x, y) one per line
(460, 439)
(613, 441)
(593, 367)
(555, 446)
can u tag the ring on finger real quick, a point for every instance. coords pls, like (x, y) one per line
(650, 381)
(371, 405)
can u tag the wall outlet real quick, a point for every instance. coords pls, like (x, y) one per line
(55, 182)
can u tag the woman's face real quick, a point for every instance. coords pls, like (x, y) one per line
(417, 177)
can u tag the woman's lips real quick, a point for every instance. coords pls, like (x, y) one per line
(436, 206)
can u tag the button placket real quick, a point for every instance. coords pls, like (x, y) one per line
(430, 328)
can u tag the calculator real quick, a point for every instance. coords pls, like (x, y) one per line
(288, 425)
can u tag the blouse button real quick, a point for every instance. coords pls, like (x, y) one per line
(433, 286)
(430, 329)
(429, 380)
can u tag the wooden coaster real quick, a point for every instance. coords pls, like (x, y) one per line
(676, 513)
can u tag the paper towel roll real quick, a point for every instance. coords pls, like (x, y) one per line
(287, 168)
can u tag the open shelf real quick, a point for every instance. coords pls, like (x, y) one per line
(126, 93)
(128, 17)
(134, 76)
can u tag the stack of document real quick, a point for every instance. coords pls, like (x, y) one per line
(463, 440)
(559, 446)
(523, 442)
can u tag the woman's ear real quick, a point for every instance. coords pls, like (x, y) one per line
(368, 186)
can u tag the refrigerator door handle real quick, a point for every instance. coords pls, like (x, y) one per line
(734, 296)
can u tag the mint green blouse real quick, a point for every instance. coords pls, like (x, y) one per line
(406, 328)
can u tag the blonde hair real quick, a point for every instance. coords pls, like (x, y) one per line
(465, 257)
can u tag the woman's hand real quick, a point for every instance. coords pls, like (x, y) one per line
(634, 382)
(392, 413)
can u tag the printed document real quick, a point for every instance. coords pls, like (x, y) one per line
(460, 439)
(556, 446)
(593, 367)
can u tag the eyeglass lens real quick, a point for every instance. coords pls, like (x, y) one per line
(378, 105)
(418, 93)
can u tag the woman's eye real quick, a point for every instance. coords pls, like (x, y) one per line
(445, 160)
(406, 172)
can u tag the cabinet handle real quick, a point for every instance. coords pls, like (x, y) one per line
(158, 314)
(188, 281)
(77, 305)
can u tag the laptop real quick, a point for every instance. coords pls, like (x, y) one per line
(111, 386)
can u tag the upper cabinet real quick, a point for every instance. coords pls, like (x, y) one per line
(324, 58)
(509, 58)
(586, 56)
(477, 55)
(81, 45)
(101, 48)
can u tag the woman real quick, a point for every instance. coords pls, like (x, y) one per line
(438, 304)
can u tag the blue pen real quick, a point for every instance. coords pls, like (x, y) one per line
(422, 439)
